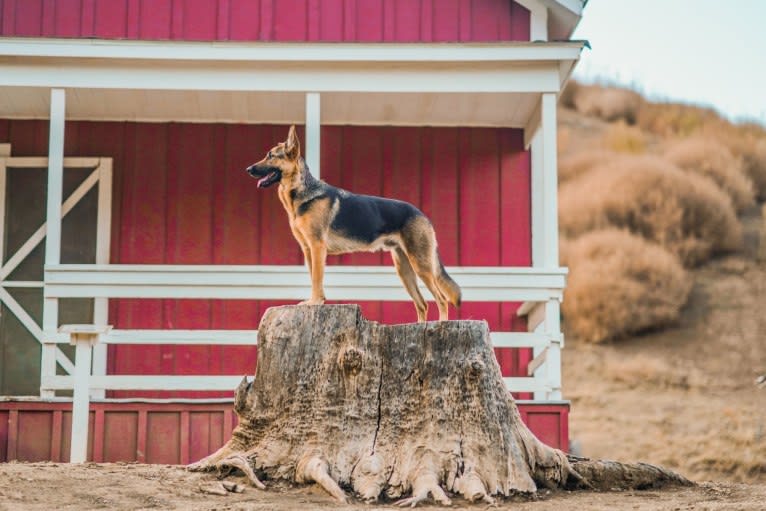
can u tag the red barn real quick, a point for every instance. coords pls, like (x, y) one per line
(125, 126)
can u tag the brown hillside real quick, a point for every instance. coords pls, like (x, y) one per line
(685, 395)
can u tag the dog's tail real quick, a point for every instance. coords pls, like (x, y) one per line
(447, 286)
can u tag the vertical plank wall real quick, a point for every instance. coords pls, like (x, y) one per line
(181, 196)
(269, 20)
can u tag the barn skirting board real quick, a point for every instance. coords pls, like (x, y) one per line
(170, 432)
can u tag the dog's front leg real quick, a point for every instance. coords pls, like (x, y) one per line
(318, 254)
(304, 247)
(307, 258)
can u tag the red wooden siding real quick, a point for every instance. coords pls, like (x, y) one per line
(181, 196)
(269, 20)
(168, 433)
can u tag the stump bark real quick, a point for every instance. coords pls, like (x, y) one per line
(394, 412)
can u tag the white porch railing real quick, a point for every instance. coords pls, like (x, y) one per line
(541, 290)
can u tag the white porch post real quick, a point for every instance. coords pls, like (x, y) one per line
(313, 126)
(550, 256)
(103, 238)
(550, 180)
(53, 230)
(545, 232)
(83, 338)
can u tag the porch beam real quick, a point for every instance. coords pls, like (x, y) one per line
(437, 77)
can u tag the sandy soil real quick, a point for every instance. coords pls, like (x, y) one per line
(45, 486)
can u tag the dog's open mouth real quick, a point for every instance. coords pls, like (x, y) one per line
(270, 179)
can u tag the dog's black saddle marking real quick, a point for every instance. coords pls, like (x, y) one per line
(366, 218)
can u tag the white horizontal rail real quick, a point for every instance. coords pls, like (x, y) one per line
(524, 384)
(223, 337)
(519, 339)
(375, 283)
(250, 338)
(86, 336)
(148, 382)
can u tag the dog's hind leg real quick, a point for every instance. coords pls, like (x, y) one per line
(426, 274)
(410, 281)
(419, 242)
(425, 265)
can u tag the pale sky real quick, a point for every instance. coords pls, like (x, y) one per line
(708, 52)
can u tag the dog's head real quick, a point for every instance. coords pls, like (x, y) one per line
(281, 163)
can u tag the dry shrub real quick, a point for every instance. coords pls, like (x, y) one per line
(563, 139)
(714, 160)
(752, 150)
(625, 139)
(746, 140)
(568, 94)
(577, 164)
(684, 212)
(620, 284)
(674, 119)
(607, 103)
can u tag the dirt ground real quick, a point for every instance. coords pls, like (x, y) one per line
(46, 486)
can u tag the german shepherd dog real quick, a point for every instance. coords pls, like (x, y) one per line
(328, 220)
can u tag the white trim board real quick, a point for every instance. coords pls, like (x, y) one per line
(478, 284)
(288, 52)
(364, 76)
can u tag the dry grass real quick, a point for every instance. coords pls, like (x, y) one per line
(620, 284)
(578, 164)
(686, 213)
(607, 103)
(625, 139)
(751, 149)
(710, 158)
(675, 119)
(746, 141)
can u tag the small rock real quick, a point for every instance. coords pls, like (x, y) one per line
(214, 489)
(233, 487)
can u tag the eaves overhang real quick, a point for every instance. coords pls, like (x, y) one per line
(473, 84)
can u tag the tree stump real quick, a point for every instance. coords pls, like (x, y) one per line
(394, 412)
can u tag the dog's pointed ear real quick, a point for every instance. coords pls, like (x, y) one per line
(292, 145)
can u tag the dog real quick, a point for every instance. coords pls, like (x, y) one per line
(328, 220)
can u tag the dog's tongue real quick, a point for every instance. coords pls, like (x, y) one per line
(264, 179)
